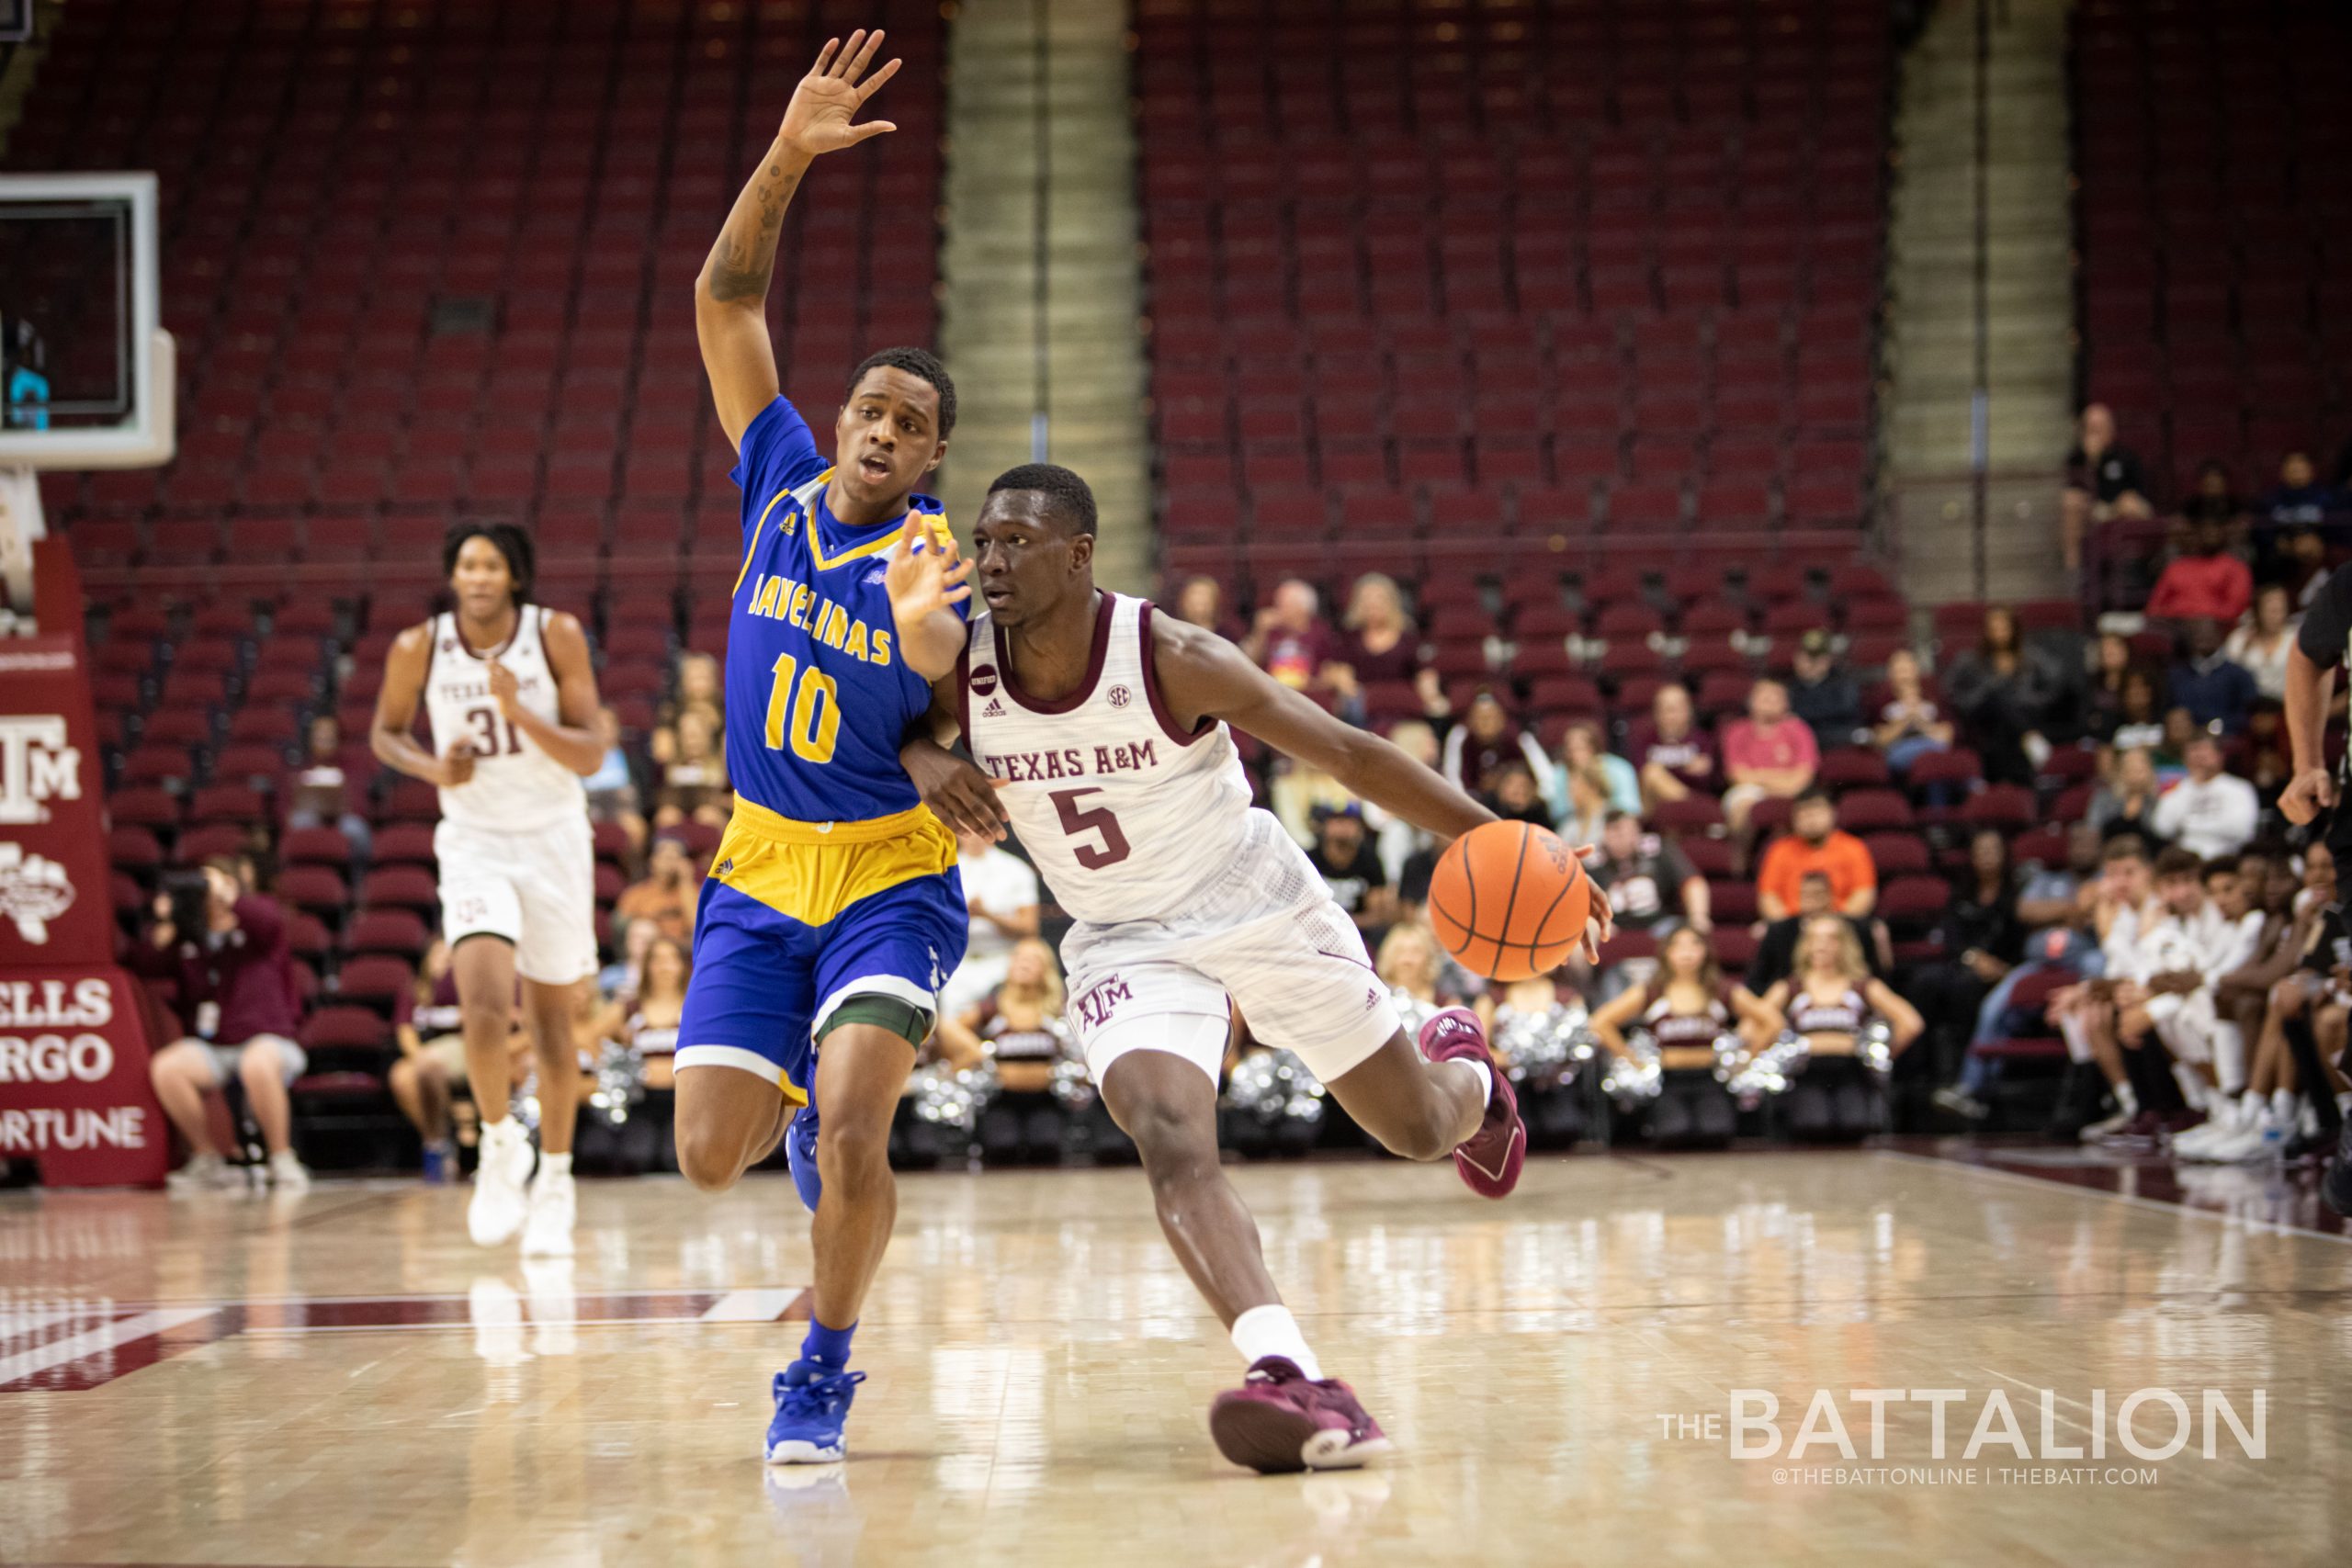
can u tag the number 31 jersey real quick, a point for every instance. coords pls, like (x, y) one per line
(516, 785)
(1125, 814)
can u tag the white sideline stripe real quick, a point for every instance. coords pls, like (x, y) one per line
(24, 1324)
(97, 1341)
(749, 1306)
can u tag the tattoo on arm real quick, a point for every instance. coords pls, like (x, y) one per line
(744, 261)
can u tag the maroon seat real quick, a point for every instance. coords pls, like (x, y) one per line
(403, 843)
(399, 887)
(346, 1028)
(1871, 810)
(319, 890)
(374, 980)
(314, 846)
(401, 933)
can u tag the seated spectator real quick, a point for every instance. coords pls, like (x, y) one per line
(1769, 755)
(2214, 498)
(1006, 902)
(322, 794)
(227, 949)
(1016, 1022)
(1411, 964)
(1816, 843)
(1648, 880)
(665, 899)
(2260, 645)
(693, 785)
(1292, 642)
(2103, 700)
(700, 687)
(2207, 583)
(1589, 785)
(1201, 602)
(1382, 645)
(622, 976)
(1516, 797)
(2170, 754)
(2104, 482)
(1485, 739)
(1685, 1005)
(2138, 722)
(2210, 813)
(1344, 857)
(429, 1028)
(2002, 691)
(1981, 939)
(2125, 801)
(614, 793)
(1824, 693)
(1776, 952)
(2303, 565)
(1397, 839)
(1831, 995)
(2297, 502)
(646, 1019)
(2214, 690)
(1909, 725)
(1671, 755)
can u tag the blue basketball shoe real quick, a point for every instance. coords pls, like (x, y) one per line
(800, 1154)
(812, 1400)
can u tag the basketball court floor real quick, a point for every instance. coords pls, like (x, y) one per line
(341, 1379)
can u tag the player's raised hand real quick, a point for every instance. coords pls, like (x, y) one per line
(818, 119)
(925, 575)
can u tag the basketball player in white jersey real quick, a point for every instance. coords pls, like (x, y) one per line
(1099, 728)
(511, 695)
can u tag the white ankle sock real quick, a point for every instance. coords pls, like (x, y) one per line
(1270, 1330)
(2128, 1099)
(2192, 1088)
(1486, 1078)
(555, 1168)
(2282, 1107)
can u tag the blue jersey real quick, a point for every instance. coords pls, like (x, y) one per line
(817, 699)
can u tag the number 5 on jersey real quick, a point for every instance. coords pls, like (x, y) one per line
(811, 714)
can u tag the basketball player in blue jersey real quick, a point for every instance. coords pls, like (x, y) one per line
(834, 910)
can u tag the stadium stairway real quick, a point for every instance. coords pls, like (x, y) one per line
(1932, 302)
(1042, 289)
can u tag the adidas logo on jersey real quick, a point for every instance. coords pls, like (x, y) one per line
(994, 710)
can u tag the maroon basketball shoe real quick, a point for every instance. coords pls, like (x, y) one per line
(1490, 1158)
(1281, 1420)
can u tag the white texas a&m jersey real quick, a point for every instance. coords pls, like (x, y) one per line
(1124, 812)
(516, 785)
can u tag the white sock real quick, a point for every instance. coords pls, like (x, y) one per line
(2251, 1107)
(2344, 1104)
(284, 1157)
(1486, 1078)
(2192, 1088)
(2282, 1107)
(1270, 1330)
(505, 1130)
(2127, 1098)
(555, 1168)
(2078, 1038)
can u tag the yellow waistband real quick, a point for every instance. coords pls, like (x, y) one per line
(759, 822)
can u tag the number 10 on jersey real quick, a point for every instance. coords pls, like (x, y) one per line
(809, 714)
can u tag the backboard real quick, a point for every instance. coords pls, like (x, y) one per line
(85, 369)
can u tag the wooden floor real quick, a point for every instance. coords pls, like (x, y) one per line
(341, 1379)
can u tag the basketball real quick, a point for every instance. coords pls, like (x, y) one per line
(1509, 900)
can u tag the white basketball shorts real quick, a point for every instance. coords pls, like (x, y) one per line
(1266, 935)
(536, 889)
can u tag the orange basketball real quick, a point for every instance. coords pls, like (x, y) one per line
(1509, 902)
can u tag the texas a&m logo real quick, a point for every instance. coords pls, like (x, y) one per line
(35, 766)
(1098, 1001)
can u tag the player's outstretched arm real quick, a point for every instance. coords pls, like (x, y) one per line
(1204, 676)
(390, 737)
(958, 792)
(571, 740)
(730, 296)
